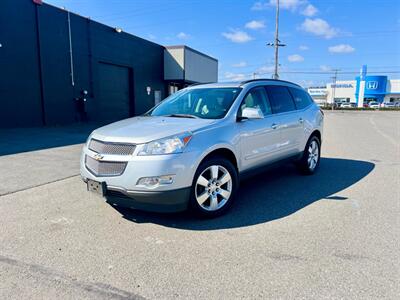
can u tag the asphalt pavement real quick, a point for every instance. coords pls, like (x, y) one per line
(334, 235)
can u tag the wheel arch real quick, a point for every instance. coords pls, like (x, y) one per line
(224, 152)
(316, 133)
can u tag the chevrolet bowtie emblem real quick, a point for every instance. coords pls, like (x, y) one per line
(98, 156)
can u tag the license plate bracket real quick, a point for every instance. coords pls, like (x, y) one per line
(96, 187)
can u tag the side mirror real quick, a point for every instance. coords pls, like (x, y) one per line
(251, 113)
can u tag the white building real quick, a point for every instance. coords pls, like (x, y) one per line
(377, 88)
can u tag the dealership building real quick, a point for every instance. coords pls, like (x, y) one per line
(58, 67)
(376, 88)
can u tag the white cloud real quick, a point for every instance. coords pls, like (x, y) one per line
(306, 83)
(319, 27)
(237, 36)
(295, 58)
(309, 11)
(255, 24)
(236, 76)
(287, 4)
(342, 48)
(303, 48)
(183, 36)
(283, 4)
(241, 64)
(260, 5)
(266, 69)
(325, 68)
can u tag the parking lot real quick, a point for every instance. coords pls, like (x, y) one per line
(332, 235)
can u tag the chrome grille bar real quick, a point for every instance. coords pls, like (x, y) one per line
(111, 148)
(104, 168)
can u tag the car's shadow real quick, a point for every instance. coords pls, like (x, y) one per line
(274, 194)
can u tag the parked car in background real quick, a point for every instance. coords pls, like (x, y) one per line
(374, 104)
(191, 149)
(348, 105)
(338, 104)
(388, 104)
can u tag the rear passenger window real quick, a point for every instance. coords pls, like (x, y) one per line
(280, 98)
(301, 98)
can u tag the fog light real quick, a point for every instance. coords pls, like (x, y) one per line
(152, 182)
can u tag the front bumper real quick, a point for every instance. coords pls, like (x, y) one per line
(182, 166)
(164, 201)
(124, 191)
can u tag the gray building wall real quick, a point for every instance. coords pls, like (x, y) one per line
(174, 64)
(35, 77)
(200, 68)
(182, 63)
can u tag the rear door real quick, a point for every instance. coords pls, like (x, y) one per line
(303, 103)
(259, 138)
(289, 120)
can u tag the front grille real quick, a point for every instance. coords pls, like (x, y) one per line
(104, 168)
(111, 148)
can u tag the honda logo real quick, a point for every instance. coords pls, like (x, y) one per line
(372, 85)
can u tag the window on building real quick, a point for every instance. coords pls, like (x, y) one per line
(281, 100)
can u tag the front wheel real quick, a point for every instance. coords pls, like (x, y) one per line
(311, 156)
(214, 187)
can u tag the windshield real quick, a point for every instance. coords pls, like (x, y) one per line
(205, 103)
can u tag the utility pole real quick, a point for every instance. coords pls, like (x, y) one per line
(277, 42)
(334, 86)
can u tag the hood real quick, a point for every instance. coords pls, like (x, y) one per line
(141, 130)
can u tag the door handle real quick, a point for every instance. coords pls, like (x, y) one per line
(301, 120)
(274, 126)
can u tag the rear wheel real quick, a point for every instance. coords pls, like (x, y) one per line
(214, 187)
(311, 156)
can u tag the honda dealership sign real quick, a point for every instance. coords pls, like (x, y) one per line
(372, 85)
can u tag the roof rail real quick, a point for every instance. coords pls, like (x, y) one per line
(267, 79)
(199, 83)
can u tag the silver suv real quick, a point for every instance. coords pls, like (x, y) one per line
(191, 150)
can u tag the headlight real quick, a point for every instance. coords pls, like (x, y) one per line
(174, 144)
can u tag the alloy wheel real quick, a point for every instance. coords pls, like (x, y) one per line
(213, 188)
(313, 155)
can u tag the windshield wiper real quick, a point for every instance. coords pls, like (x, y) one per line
(182, 116)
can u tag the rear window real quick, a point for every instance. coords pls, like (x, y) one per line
(301, 98)
(280, 98)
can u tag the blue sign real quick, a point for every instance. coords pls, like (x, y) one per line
(372, 85)
(375, 87)
(363, 72)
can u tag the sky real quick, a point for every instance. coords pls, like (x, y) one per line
(320, 35)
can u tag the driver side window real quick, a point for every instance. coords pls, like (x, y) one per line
(256, 98)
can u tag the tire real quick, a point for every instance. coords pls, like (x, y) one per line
(214, 187)
(310, 159)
